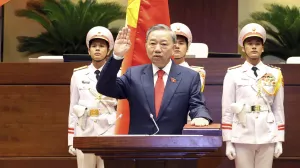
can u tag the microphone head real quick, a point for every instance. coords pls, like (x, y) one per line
(151, 115)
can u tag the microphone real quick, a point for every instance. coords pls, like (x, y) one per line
(151, 116)
(111, 125)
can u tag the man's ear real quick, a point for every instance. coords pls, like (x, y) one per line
(243, 49)
(89, 51)
(174, 47)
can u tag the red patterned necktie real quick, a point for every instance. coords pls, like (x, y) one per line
(159, 90)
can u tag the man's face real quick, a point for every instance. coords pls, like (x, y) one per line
(98, 49)
(253, 47)
(160, 47)
(180, 47)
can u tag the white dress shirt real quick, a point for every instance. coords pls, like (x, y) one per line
(166, 69)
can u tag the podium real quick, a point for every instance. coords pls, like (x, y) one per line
(154, 147)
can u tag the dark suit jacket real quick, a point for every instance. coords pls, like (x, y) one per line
(137, 86)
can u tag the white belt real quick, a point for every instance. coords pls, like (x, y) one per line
(255, 108)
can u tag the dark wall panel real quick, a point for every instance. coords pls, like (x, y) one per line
(213, 22)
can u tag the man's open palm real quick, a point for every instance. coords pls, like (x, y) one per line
(122, 43)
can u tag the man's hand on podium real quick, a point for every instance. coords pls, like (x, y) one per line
(199, 122)
(72, 150)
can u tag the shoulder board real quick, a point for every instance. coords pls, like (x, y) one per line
(273, 66)
(80, 68)
(234, 67)
(197, 67)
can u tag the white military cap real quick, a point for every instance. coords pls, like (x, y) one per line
(100, 32)
(252, 30)
(183, 30)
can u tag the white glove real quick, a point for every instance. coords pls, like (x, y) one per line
(278, 149)
(72, 150)
(237, 108)
(79, 110)
(230, 150)
(199, 122)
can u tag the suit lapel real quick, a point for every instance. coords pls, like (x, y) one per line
(173, 81)
(250, 74)
(91, 75)
(148, 86)
(246, 69)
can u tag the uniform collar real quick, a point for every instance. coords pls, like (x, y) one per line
(92, 69)
(247, 66)
(184, 64)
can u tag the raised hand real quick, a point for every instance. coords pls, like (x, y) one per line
(122, 43)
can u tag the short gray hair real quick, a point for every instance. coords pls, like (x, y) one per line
(161, 27)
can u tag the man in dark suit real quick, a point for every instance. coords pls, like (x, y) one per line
(160, 93)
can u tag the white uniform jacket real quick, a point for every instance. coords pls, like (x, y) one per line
(248, 124)
(90, 113)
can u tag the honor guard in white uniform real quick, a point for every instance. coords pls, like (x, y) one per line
(183, 41)
(253, 121)
(91, 114)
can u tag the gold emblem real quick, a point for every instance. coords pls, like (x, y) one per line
(267, 83)
(268, 79)
(94, 113)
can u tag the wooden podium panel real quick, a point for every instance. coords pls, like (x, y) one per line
(149, 146)
(187, 148)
